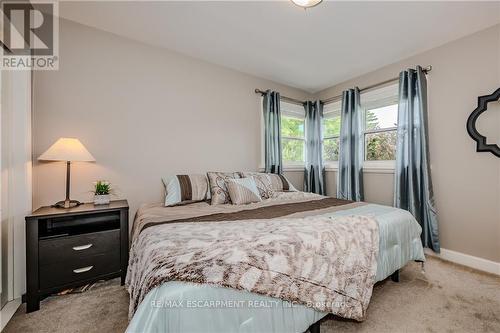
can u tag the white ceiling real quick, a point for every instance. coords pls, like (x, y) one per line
(308, 49)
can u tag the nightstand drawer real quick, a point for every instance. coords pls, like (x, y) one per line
(65, 272)
(71, 248)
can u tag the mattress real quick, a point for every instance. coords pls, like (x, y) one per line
(178, 306)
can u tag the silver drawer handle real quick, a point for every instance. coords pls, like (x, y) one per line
(82, 247)
(83, 269)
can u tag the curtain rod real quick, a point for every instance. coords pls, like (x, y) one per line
(338, 97)
(368, 88)
(288, 99)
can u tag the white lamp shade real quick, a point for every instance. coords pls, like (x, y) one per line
(306, 3)
(67, 149)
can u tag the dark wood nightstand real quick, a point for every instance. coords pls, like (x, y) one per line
(66, 248)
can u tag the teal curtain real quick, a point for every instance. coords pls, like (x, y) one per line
(412, 182)
(350, 173)
(314, 173)
(272, 132)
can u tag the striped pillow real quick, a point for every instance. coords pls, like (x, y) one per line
(267, 183)
(184, 189)
(243, 191)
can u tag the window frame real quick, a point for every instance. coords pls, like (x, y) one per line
(381, 166)
(336, 109)
(371, 100)
(377, 164)
(291, 110)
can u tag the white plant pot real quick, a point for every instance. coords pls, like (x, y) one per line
(101, 199)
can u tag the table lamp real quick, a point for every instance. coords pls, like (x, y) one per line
(68, 150)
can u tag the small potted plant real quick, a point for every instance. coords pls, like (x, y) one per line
(102, 191)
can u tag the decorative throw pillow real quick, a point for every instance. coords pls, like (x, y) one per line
(263, 183)
(272, 181)
(281, 184)
(184, 189)
(243, 191)
(218, 188)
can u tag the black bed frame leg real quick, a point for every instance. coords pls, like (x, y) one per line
(314, 328)
(395, 276)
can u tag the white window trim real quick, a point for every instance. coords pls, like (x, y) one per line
(380, 167)
(297, 112)
(328, 163)
(371, 100)
(335, 108)
(368, 167)
(387, 166)
(292, 164)
(294, 168)
(293, 138)
(287, 166)
(378, 164)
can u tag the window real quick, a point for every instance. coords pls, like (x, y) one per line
(331, 132)
(380, 133)
(380, 123)
(380, 114)
(293, 145)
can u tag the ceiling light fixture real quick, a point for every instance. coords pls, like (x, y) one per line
(306, 3)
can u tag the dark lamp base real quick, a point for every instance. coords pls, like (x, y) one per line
(67, 204)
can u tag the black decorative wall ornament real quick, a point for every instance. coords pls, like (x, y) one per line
(482, 105)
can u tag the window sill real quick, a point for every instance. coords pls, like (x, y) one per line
(378, 170)
(380, 167)
(368, 167)
(294, 168)
(366, 170)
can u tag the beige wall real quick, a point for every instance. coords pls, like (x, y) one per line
(466, 183)
(378, 184)
(144, 113)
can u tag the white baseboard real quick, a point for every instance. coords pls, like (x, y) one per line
(8, 311)
(467, 260)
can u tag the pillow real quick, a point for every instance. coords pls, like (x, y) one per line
(263, 183)
(277, 183)
(243, 191)
(184, 189)
(218, 188)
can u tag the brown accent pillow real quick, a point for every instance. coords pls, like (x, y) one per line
(218, 187)
(281, 183)
(184, 189)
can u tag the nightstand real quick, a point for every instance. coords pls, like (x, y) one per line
(66, 248)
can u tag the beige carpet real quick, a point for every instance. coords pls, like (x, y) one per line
(447, 298)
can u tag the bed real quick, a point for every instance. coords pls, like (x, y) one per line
(168, 295)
